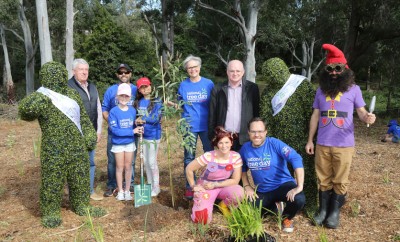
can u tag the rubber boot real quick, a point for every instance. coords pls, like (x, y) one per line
(337, 201)
(324, 198)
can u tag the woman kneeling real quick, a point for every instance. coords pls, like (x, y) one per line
(219, 180)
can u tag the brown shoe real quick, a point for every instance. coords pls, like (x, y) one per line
(96, 197)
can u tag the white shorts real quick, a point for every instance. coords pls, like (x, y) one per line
(123, 148)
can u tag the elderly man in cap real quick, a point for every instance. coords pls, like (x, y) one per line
(334, 103)
(124, 74)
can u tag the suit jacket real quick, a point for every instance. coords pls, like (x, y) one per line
(219, 107)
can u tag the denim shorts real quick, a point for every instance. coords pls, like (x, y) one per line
(123, 148)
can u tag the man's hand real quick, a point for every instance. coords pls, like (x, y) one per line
(310, 148)
(292, 193)
(250, 194)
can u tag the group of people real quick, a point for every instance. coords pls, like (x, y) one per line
(234, 138)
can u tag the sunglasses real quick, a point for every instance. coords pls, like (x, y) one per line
(335, 67)
(124, 72)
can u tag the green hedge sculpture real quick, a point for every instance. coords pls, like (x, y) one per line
(291, 124)
(64, 150)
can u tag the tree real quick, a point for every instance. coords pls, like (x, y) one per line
(44, 32)
(248, 30)
(8, 82)
(29, 50)
(69, 37)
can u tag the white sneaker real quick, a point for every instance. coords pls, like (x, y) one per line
(128, 196)
(155, 191)
(120, 196)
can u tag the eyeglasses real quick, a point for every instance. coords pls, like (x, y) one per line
(335, 67)
(124, 72)
(192, 67)
(253, 132)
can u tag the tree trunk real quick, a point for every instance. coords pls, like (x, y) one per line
(248, 31)
(250, 35)
(69, 37)
(8, 82)
(43, 31)
(167, 8)
(29, 51)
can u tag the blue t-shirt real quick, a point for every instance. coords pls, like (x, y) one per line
(196, 97)
(152, 127)
(268, 163)
(394, 130)
(121, 124)
(110, 100)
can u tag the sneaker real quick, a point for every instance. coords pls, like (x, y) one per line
(110, 192)
(287, 225)
(155, 191)
(128, 196)
(96, 197)
(121, 196)
(189, 194)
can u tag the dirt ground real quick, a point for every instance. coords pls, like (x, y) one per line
(372, 211)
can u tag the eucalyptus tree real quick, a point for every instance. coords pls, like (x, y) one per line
(44, 32)
(247, 26)
(7, 80)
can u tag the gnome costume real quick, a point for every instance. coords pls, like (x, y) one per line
(334, 104)
(67, 136)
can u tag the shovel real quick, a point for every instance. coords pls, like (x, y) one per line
(142, 191)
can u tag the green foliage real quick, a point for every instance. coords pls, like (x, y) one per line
(97, 233)
(245, 220)
(10, 140)
(291, 124)
(64, 150)
(355, 208)
(36, 146)
(199, 230)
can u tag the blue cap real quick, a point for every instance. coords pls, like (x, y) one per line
(392, 122)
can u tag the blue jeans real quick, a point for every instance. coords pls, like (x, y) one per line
(112, 180)
(268, 200)
(92, 170)
(190, 156)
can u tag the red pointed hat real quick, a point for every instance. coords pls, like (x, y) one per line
(334, 55)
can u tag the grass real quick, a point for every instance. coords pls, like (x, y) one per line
(97, 232)
(21, 169)
(322, 235)
(355, 208)
(386, 179)
(36, 146)
(10, 141)
(199, 231)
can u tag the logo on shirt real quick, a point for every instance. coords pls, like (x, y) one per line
(197, 97)
(286, 151)
(126, 123)
(259, 163)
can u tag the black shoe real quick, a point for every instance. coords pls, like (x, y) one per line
(324, 200)
(336, 202)
(110, 192)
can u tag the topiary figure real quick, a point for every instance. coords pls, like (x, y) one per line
(67, 136)
(291, 123)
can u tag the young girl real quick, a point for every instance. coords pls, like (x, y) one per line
(149, 115)
(121, 121)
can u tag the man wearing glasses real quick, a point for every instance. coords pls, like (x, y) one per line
(267, 158)
(334, 104)
(124, 74)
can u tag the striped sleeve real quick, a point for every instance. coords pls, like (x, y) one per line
(236, 160)
(204, 159)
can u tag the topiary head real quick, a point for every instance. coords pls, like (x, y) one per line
(275, 72)
(53, 75)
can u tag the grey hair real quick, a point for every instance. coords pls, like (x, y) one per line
(77, 62)
(191, 58)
